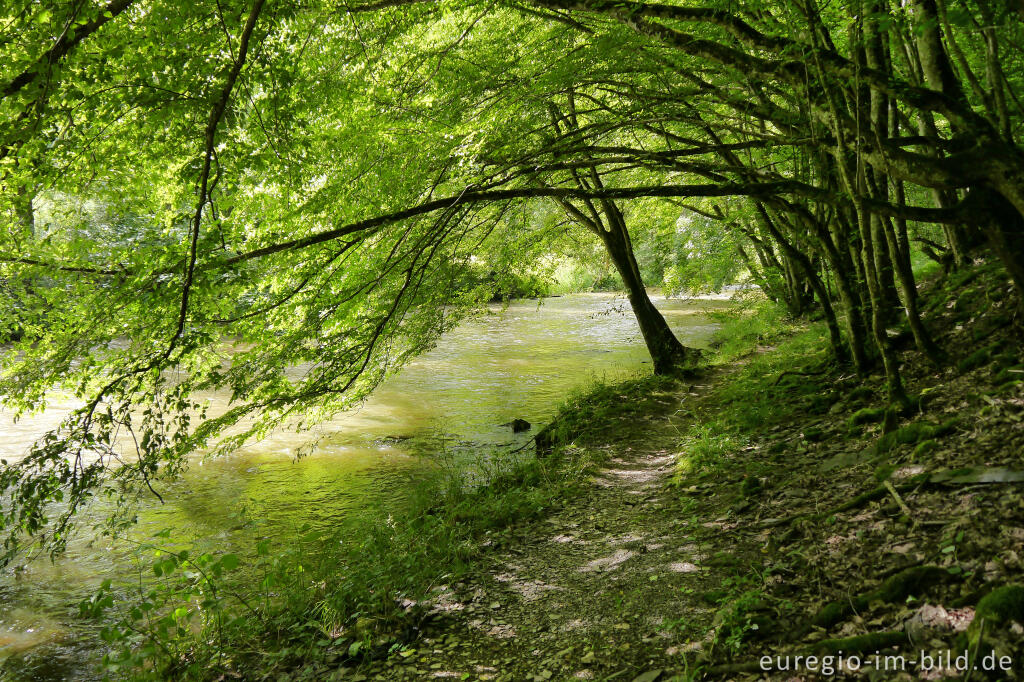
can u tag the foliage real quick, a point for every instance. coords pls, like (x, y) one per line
(752, 398)
(704, 257)
(159, 619)
(300, 608)
(328, 190)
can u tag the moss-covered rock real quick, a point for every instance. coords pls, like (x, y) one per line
(924, 448)
(867, 415)
(1002, 605)
(911, 582)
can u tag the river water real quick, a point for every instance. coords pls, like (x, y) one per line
(519, 361)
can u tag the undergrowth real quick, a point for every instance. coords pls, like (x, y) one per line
(753, 397)
(325, 600)
(301, 610)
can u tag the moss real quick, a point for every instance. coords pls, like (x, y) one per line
(714, 597)
(924, 448)
(882, 446)
(751, 486)
(819, 404)
(884, 471)
(923, 430)
(867, 415)
(972, 597)
(832, 613)
(1002, 605)
(975, 359)
(1007, 374)
(723, 559)
(910, 582)
(1006, 359)
(962, 277)
(1000, 320)
(813, 434)
(913, 433)
(945, 428)
(891, 421)
(981, 333)
(1010, 387)
(861, 394)
(874, 641)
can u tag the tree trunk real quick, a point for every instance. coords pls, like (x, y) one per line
(667, 353)
(796, 256)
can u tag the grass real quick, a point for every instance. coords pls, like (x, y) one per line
(757, 395)
(592, 415)
(753, 322)
(328, 601)
(298, 612)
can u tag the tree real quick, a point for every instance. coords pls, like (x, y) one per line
(315, 181)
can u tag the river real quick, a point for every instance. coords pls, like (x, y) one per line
(519, 361)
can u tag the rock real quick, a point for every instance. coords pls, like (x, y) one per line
(867, 415)
(520, 425)
(814, 434)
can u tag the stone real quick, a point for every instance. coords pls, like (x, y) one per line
(520, 425)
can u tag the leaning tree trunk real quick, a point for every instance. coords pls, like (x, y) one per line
(667, 353)
(607, 222)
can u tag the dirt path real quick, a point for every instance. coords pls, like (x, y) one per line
(601, 589)
(784, 539)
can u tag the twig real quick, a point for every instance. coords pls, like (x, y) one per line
(896, 496)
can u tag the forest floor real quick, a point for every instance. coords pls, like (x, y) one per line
(769, 507)
(589, 591)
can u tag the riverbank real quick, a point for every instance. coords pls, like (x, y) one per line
(770, 507)
(678, 529)
(447, 409)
